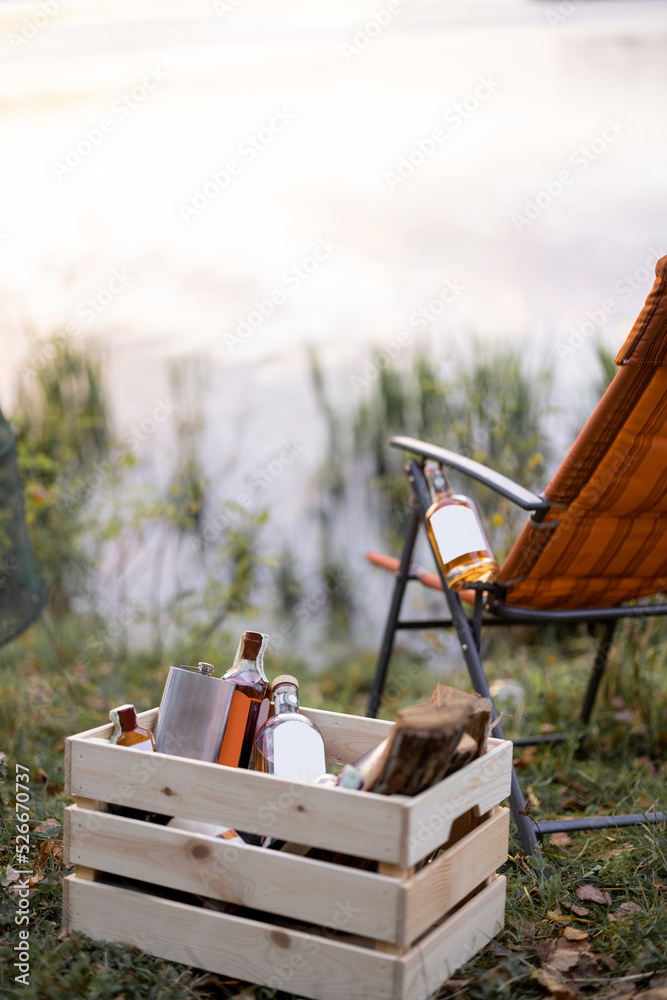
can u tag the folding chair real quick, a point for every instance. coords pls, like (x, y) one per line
(596, 537)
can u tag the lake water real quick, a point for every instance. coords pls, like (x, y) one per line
(242, 181)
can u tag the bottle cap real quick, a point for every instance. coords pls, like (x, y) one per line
(252, 644)
(284, 679)
(206, 668)
(126, 715)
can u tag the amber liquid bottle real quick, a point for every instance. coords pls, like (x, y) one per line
(126, 731)
(250, 702)
(289, 744)
(457, 535)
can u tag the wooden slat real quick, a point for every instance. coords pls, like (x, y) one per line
(481, 784)
(462, 868)
(250, 950)
(86, 807)
(296, 887)
(347, 737)
(437, 957)
(370, 826)
(296, 961)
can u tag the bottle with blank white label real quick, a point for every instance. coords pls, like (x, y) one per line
(457, 535)
(289, 745)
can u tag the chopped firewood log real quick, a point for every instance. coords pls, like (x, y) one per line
(371, 764)
(421, 746)
(480, 722)
(464, 753)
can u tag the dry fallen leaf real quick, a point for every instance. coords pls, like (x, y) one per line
(629, 908)
(564, 959)
(11, 875)
(592, 894)
(49, 849)
(544, 950)
(580, 911)
(527, 757)
(526, 927)
(555, 984)
(48, 824)
(573, 802)
(575, 934)
(659, 994)
(560, 839)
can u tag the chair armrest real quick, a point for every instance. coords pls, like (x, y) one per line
(501, 484)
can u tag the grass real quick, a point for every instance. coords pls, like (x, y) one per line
(43, 699)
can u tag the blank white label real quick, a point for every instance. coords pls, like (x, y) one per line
(456, 531)
(298, 752)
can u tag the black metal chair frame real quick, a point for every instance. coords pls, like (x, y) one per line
(489, 598)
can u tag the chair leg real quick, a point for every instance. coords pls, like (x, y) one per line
(387, 646)
(599, 666)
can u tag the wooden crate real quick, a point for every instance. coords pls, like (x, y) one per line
(320, 929)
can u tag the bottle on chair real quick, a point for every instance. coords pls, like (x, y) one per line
(456, 533)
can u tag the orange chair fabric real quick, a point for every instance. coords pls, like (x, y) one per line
(604, 540)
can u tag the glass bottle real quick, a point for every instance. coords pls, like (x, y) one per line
(289, 745)
(126, 731)
(455, 530)
(250, 703)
